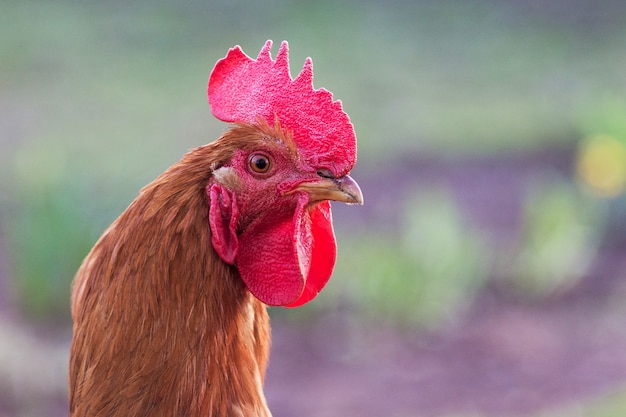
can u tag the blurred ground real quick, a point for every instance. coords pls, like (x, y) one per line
(502, 360)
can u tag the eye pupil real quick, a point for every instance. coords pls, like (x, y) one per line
(259, 163)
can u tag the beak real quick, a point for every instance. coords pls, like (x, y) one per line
(343, 189)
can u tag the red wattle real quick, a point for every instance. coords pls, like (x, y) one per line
(268, 258)
(283, 262)
(323, 253)
(288, 262)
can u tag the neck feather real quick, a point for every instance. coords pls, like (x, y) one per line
(161, 325)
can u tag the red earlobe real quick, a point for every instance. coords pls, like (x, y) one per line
(223, 215)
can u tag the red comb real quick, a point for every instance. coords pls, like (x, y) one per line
(242, 89)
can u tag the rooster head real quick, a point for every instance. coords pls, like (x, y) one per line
(292, 149)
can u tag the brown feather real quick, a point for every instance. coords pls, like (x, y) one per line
(162, 326)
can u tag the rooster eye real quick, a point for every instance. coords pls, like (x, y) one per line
(260, 163)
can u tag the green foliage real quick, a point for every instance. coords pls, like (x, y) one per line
(457, 75)
(610, 405)
(613, 405)
(601, 164)
(606, 117)
(51, 224)
(45, 244)
(423, 278)
(560, 235)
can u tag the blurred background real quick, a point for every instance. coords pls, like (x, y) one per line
(483, 277)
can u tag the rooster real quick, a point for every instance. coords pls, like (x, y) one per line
(170, 306)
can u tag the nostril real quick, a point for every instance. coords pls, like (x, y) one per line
(325, 173)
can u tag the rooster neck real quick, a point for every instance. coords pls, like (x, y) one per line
(161, 325)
